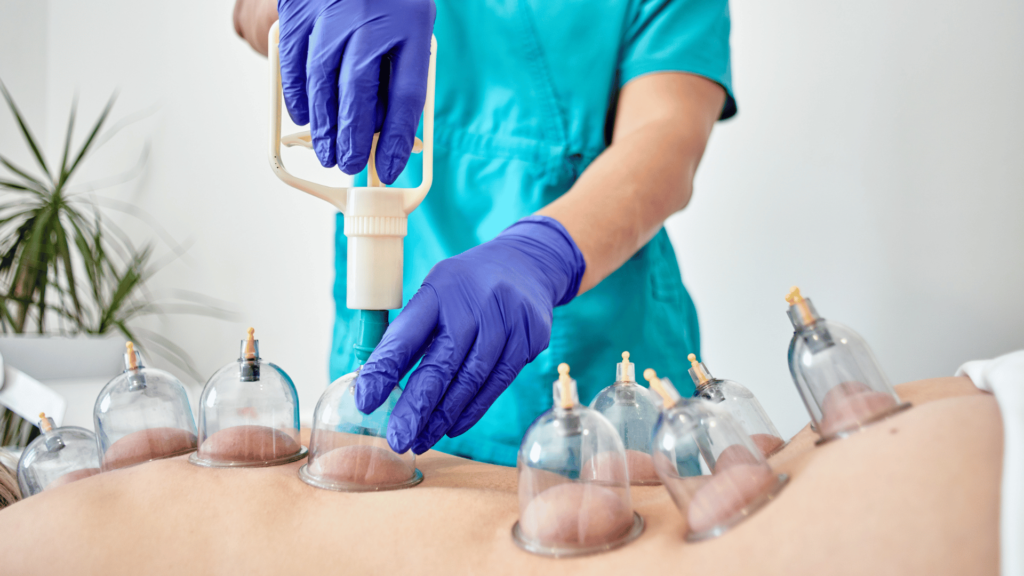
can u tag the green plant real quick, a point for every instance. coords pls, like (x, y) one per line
(49, 236)
(63, 268)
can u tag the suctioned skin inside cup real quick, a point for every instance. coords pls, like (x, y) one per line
(641, 467)
(728, 491)
(363, 465)
(733, 455)
(713, 502)
(767, 443)
(632, 410)
(145, 445)
(72, 477)
(56, 457)
(608, 464)
(348, 449)
(142, 414)
(576, 514)
(740, 402)
(851, 404)
(741, 479)
(249, 414)
(248, 443)
(574, 493)
(836, 373)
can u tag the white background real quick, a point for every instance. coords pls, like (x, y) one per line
(877, 162)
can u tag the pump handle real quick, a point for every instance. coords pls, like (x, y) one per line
(338, 196)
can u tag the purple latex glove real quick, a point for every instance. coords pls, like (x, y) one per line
(476, 321)
(332, 77)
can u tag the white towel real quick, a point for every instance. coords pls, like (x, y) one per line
(1004, 377)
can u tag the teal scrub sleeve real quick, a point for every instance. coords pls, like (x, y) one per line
(680, 36)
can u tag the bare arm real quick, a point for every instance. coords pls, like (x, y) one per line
(662, 124)
(253, 19)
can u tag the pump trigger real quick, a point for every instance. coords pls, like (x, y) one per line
(302, 139)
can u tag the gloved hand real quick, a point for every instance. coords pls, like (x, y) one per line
(476, 321)
(332, 78)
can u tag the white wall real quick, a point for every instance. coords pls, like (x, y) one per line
(876, 162)
(23, 48)
(253, 244)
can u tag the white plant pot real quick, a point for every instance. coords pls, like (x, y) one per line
(64, 357)
(76, 367)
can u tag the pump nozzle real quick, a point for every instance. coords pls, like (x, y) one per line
(663, 387)
(132, 366)
(794, 298)
(133, 362)
(53, 441)
(625, 371)
(697, 370)
(566, 385)
(249, 360)
(250, 345)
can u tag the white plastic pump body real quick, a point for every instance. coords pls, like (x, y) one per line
(375, 216)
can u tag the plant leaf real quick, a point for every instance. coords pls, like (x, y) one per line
(21, 172)
(67, 139)
(25, 132)
(88, 141)
(64, 253)
(20, 187)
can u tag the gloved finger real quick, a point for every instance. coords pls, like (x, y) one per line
(407, 91)
(403, 343)
(428, 384)
(323, 62)
(504, 372)
(477, 366)
(294, 45)
(357, 99)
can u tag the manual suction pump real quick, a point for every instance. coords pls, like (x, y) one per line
(739, 480)
(738, 401)
(375, 215)
(248, 414)
(837, 375)
(573, 481)
(142, 414)
(57, 457)
(632, 410)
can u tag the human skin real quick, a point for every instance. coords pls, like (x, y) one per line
(147, 444)
(248, 443)
(908, 495)
(663, 122)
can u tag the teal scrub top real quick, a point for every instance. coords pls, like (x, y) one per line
(525, 98)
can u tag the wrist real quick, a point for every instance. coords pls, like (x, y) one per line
(553, 248)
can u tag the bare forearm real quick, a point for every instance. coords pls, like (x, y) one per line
(253, 19)
(623, 198)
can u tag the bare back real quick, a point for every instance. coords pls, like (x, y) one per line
(912, 494)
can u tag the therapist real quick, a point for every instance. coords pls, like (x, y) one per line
(566, 133)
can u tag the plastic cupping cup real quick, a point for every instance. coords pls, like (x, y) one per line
(248, 414)
(837, 375)
(737, 482)
(142, 414)
(57, 457)
(740, 403)
(573, 481)
(633, 411)
(348, 450)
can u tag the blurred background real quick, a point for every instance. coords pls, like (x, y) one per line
(877, 161)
